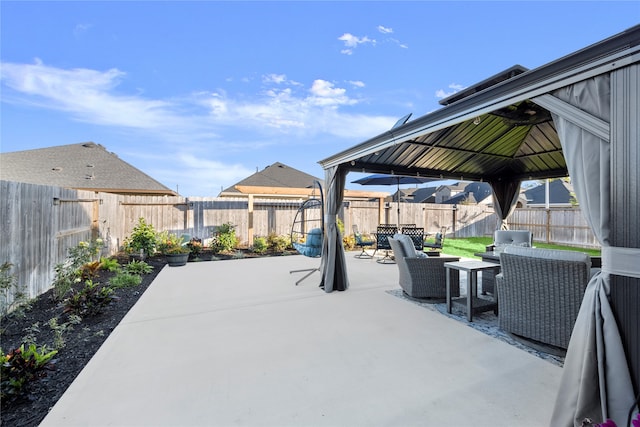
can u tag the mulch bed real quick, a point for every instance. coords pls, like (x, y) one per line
(81, 342)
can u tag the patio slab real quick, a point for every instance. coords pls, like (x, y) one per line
(237, 343)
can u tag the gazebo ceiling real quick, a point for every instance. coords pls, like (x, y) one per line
(518, 141)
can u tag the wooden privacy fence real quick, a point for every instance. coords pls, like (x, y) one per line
(40, 223)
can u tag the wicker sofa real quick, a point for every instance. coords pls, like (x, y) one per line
(421, 276)
(540, 291)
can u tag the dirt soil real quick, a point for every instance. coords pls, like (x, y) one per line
(81, 343)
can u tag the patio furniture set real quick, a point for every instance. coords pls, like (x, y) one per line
(536, 293)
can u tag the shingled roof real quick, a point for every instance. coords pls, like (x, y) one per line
(84, 166)
(276, 175)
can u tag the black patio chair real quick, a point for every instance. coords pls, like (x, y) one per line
(384, 232)
(363, 244)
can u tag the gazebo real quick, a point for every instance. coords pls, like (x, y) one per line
(575, 116)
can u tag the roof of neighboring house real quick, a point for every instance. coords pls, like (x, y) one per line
(84, 166)
(480, 190)
(460, 198)
(276, 175)
(559, 193)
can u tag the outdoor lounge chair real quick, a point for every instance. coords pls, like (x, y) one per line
(439, 241)
(421, 276)
(363, 244)
(540, 291)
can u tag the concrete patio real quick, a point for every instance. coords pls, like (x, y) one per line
(237, 343)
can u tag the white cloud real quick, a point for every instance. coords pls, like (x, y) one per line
(351, 42)
(356, 83)
(441, 93)
(275, 78)
(80, 29)
(385, 30)
(212, 118)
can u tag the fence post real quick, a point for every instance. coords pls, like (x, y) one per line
(250, 220)
(454, 210)
(548, 225)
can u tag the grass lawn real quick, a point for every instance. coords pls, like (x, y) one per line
(468, 246)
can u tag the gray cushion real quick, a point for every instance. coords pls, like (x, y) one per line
(407, 246)
(549, 254)
(512, 237)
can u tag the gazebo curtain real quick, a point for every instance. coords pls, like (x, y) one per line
(333, 263)
(505, 198)
(596, 381)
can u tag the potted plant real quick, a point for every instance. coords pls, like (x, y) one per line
(171, 246)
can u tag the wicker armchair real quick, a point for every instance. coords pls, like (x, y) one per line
(539, 297)
(422, 276)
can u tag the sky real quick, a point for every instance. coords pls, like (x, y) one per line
(199, 95)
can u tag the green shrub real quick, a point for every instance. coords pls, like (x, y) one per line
(72, 270)
(142, 238)
(224, 239)
(137, 267)
(125, 280)
(278, 244)
(22, 366)
(90, 300)
(109, 264)
(260, 245)
(12, 296)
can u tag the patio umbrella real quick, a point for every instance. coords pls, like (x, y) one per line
(382, 179)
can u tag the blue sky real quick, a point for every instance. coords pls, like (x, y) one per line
(201, 94)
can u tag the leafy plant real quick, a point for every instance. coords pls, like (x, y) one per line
(260, 245)
(137, 267)
(125, 280)
(59, 330)
(349, 242)
(142, 238)
(22, 366)
(109, 264)
(89, 270)
(195, 246)
(70, 272)
(278, 244)
(12, 296)
(90, 300)
(224, 238)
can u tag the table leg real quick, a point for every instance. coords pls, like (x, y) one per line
(469, 296)
(448, 277)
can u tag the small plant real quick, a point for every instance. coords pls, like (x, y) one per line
(142, 238)
(260, 245)
(60, 329)
(31, 333)
(22, 366)
(195, 246)
(349, 242)
(109, 264)
(137, 267)
(71, 271)
(90, 300)
(238, 255)
(89, 270)
(278, 244)
(125, 280)
(224, 239)
(12, 296)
